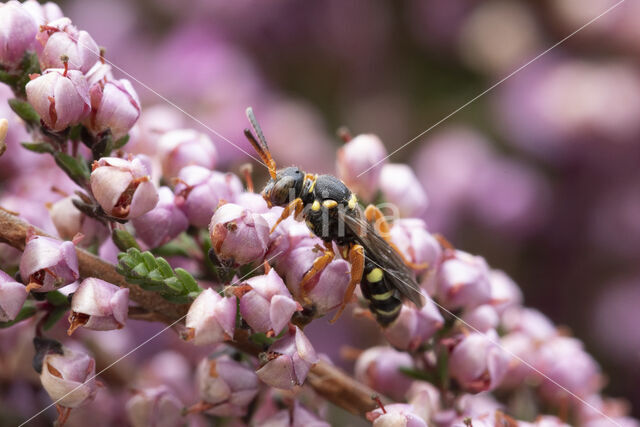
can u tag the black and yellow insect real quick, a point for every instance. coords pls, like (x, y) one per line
(331, 211)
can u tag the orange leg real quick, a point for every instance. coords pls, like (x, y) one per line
(356, 259)
(296, 206)
(380, 224)
(319, 264)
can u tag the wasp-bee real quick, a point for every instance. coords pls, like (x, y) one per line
(332, 212)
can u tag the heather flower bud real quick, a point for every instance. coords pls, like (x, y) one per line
(401, 188)
(61, 38)
(425, 399)
(463, 281)
(69, 221)
(185, 147)
(482, 318)
(396, 415)
(414, 327)
(42, 13)
(12, 297)
(359, 164)
(18, 32)
(478, 363)
(60, 97)
(529, 321)
(48, 263)
(199, 191)
(99, 305)
(68, 377)
(227, 386)
(266, 304)
(238, 236)
(505, 292)
(416, 243)
(211, 318)
(288, 361)
(157, 407)
(379, 368)
(115, 106)
(163, 223)
(123, 187)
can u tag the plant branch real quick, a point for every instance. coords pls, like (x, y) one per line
(328, 381)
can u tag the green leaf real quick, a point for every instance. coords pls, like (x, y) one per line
(28, 310)
(38, 147)
(417, 374)
(149, 260)
(76, 168)
(164, 267)
(75, 132)
(261, 338)
(53, 317)
(8, 78)
(58, 299)
(24, 110)
(171, 249)
(174, 283)
(121, 142)
(124, 240)
(187, 280)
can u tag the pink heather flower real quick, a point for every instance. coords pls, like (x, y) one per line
(357, 156)
(18, 32)
(238, 236)
(69, 221)
(379, 368)
(12, 297)
(199, 192)
(482, 318)
(563, 361)
(211, 318)
(396, 415)
(414, 327)
(551, 421)
(401, 188)
(266, 304)
(299, 416)
(505, 292)
(69, 377)
(419, 246)
(59, 38)
(425, 399)
(226, 385)
(123, 187)
(60, 97)
(463, 281)
(253, 202)
(114, 105)
(157, 407)
(522, 349)
(185, 147)
(48, 263)
(530, 322)
(42, 13)
(163, 223)
(478, 363)
(99, 305)
(288, 361)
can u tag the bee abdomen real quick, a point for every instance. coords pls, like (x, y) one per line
(383, 302)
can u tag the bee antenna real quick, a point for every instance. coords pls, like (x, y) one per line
(256, 127)
(261, 147)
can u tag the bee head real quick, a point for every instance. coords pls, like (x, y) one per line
(286, 186)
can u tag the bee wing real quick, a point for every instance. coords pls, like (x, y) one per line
(378, 251)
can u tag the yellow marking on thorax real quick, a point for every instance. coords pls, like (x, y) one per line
(315, 206)
(353, 201)
(329, 204)
(375, 275)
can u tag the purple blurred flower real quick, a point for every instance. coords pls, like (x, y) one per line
(266, 304)
(69, 221)
(185, 147)
(414, 327)
(226, 387)
(98, 305)
(211, 318)
(379, 368)
(163, 223)
(463, 281)
(18, 32)
(505, 292)
(355, 158)
(401, 189)
(48, 263)
(12, 297)
(396, 415)
(123, 187)
(425, 399)
(288, 361)
(410, 235)
(528, 321)
(61, 38)
(199, 191)
(482, 318)
(60, 97)
(114, 105)
(43, 13)
(478, 363)
(157, 407)
(68, 377)
(238, 236)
